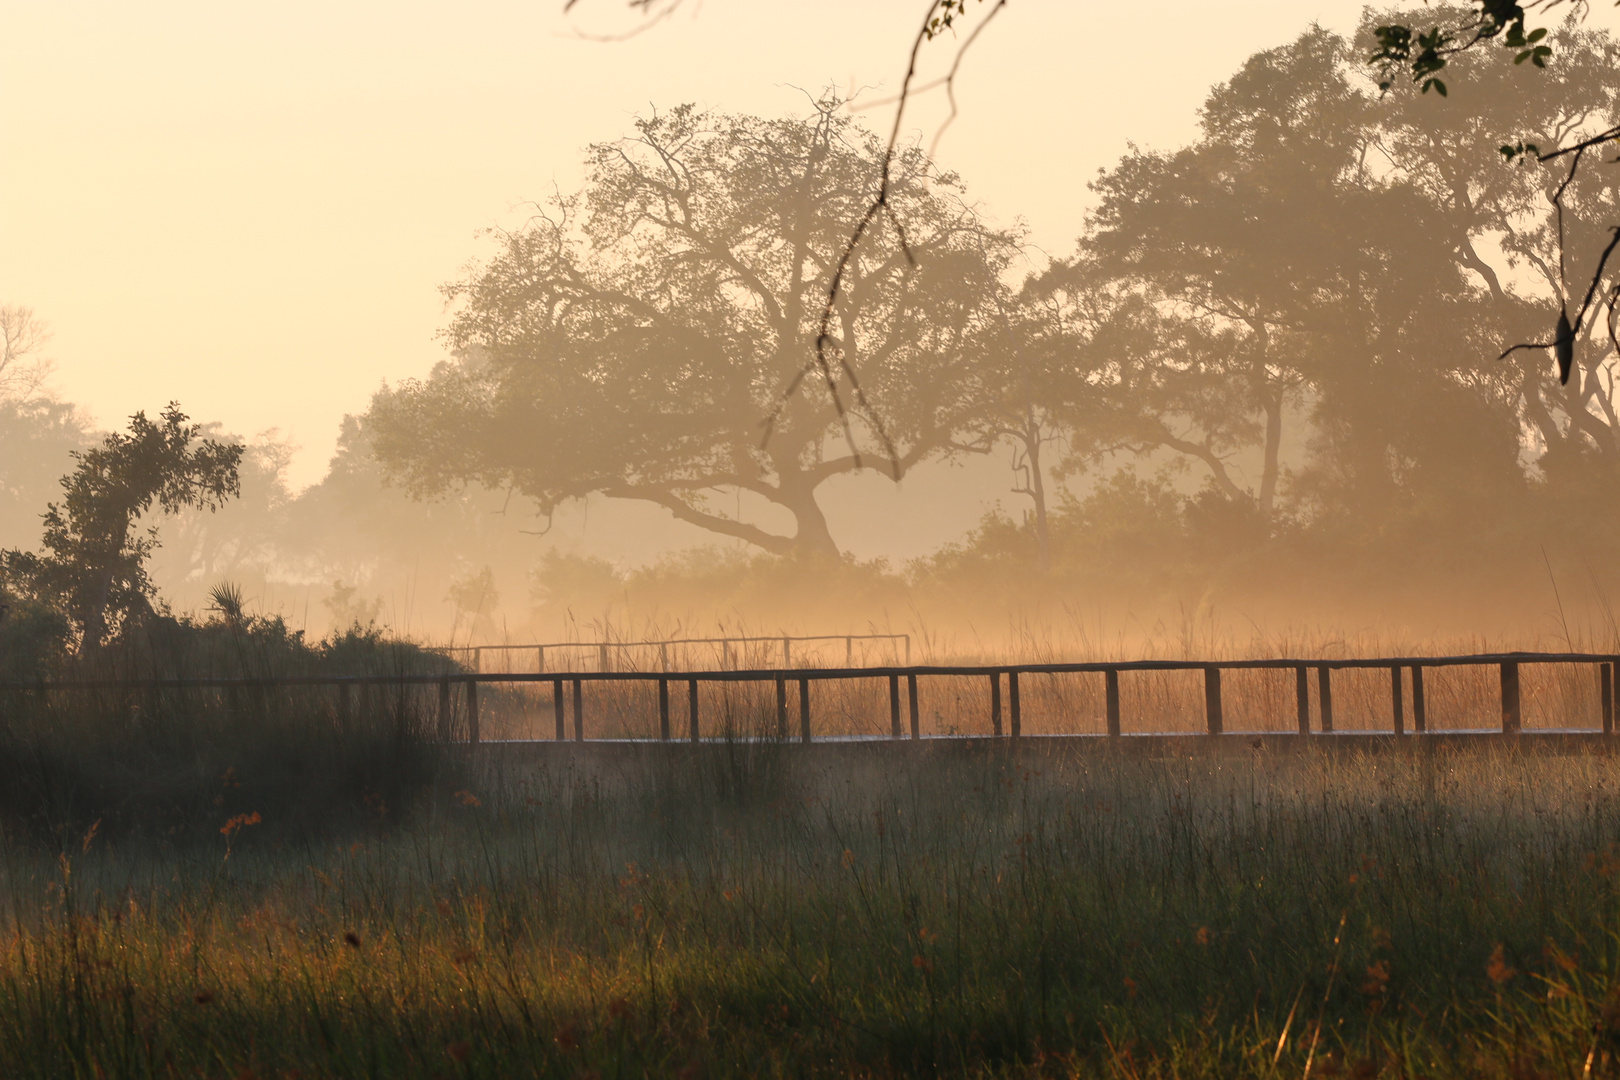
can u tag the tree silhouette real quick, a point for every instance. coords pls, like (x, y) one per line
(628, 341)
(94, 563)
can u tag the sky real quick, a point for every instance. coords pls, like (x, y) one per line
(250, 208)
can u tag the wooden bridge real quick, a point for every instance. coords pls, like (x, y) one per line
(1001, 682)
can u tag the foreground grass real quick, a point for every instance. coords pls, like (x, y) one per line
(755, 911)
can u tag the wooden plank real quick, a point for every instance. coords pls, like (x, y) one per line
(894, 706)
(1397, 707)
(1213, 718)
(579, 711)
(692, 708)
(1302, 698)
(995, 704)
(663, 710)
(1606, 697)
(1420, 708)
(804, 710)
(1324, 697)
(444, 709)
(1512, 718)
(1111, 696)
(1015, 713)
(911, 691)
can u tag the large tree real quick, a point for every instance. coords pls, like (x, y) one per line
(630, 340)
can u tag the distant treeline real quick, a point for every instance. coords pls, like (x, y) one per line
(1268, 370)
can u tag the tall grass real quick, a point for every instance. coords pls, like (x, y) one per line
(750, 909)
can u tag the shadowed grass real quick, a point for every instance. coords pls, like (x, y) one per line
(753, 911)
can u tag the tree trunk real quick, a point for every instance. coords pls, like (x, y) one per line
(813, 539)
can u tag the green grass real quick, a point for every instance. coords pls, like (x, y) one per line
(754, 910)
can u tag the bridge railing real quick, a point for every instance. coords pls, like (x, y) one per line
(613, 655)
(1002, 699)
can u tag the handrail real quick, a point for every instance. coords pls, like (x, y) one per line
(1508, 664)
(663, 644)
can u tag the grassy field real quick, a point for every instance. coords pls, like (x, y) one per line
(755, 910)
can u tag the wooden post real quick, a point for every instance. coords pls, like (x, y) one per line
(1397, 707)
(911, 692)
(1212, 699)
(781, 707)
(1511, 716)
(472, 711)
(663, 656)
(692, 708)
(345, 703)
(1111, 698)
(478, 660)
(1014, 713)
(1302, 698)
(444, 709)
(849, 652)
(787, 652)
(579, 710)
(1420, 709)
(995, 703)
(894, 706)
(559, 709)
(725, 653)
(1606, 696)
(602, 662)
(1324, 697)
(804, 710)
(663, 710)
(540, 659)
(908, 649)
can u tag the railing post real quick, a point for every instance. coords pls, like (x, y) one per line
(1420, 708)
(1302, 698)
(692, 707)
(781, 707)
(559, 709)
(911, 692)
(1212, 699)
(995, 703)
(579, 710)
(849, 652)
(894, 706)
(602, 662)
(908, 650)
(1111, 699)
(478, 661)
(663, 656)
(804, 710)
(1511, 716)
(787, 652)
(345, 703)
(1014, 712)
(540, 659)
(1606, 696)
(472, 711)
(1324, 697)
(663, 710)
(444, 709)
(1398, 708)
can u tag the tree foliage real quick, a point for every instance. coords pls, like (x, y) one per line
(93, 566)
(630, 340)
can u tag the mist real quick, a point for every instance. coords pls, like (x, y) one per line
(1252, 401)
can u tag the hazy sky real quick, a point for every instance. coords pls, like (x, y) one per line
(250, 207)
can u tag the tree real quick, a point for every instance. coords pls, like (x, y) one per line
(630, 339)
(94, 564)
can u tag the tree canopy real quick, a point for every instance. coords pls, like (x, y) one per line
(94, 563)
(632, 337)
